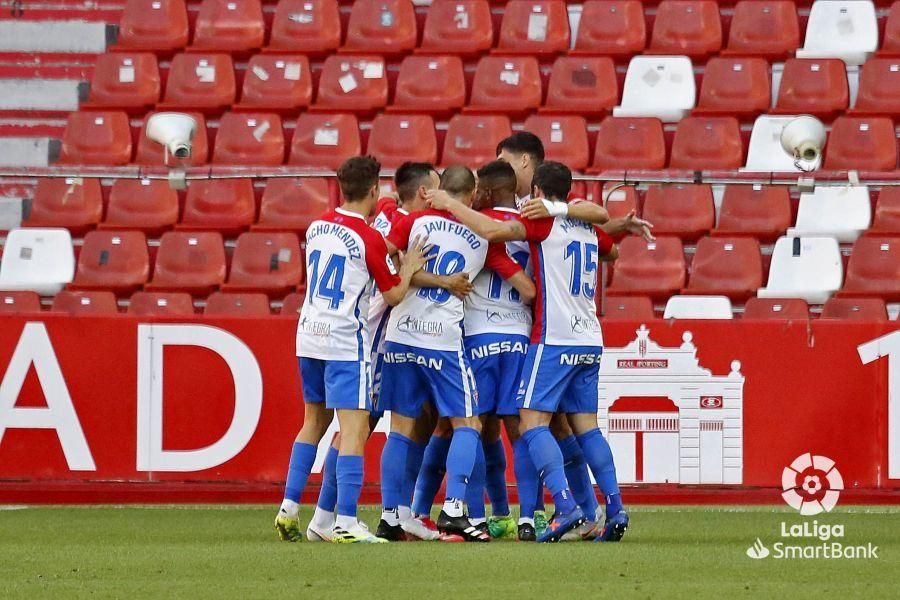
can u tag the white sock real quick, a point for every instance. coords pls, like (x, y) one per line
(391, 517)
(404, 513)
(322, 518)
(290, 508)
(453, 507)
(476, 522)
(345, 522)
(525, 520)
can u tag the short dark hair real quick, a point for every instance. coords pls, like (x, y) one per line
(554, 179)
(458, 180)
(410, 176)
(523, 142)
(497, 174)
(357, 176)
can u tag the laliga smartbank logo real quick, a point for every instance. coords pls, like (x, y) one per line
(811, 485)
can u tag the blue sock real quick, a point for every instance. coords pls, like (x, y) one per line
(434, 466)
(393, 470)
(328, 493)
(349, 484)
(539, 501)
(302, 458)
(578, 477)
(461, 461)
(549, 462)
(414, 459)
(527, 482)
(495, 478)
(599, 456)
(475, 488)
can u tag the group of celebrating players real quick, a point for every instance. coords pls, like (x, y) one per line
(482, 312)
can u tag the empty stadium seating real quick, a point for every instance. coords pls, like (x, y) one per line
(396, 139)
(760, 211)
(266, 262)
(144, 204)
(707, 143)
(154, 25)
(786, 309)
(432, 84)
(152, 153)
(306, 26)
(582, 85)
(229, 304)
(841, 29)
(768, 29)
(687, 27)
(200, 82)
(613, 28)
(655, 269)
(813, 86)
(535, 27)
(192, 262)
(249, 139)
(112, 260)
(698, 307)
(685, 211)
(229, 26)
(472, 139)
(127, 81)
(19, 302)
(85, 303)
(386, 27)
(619, 200)
(96, 138)
(565, 138)
(809, 268)
(863, 309)
(224, 205)
(629, 143)
(840, 212)
(874, 268)
(161, 304)
(887, 212)
(730, 267)
(658, 86)
(73, 203)
(879, 87)
(39, 260)
(275, 82)
(628, 308)
(325, 140)
(506, 84)
(293, 203)
(738, 86)
(463, 27)
(291, 305)
(866, 144)
(354, 83)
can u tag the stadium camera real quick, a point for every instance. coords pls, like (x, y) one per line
(175, 131)
(803, 138)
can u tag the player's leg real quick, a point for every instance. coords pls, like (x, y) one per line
(415, 525)
(501, 522)
(577, 475)
(485, 371)
(475, 487)
(319, 529)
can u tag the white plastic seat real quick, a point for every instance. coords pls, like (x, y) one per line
(809, 268)
(39, 260)
(845, 29)
(658, 86)
(698, 307)
(839, 212)
(765, 154)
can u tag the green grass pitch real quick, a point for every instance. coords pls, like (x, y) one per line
(232, 552)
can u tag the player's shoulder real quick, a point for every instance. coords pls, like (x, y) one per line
(431, 213)
(500, 214)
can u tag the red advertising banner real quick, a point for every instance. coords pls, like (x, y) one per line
(717, 403)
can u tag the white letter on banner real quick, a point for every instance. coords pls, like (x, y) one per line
(888, 345)
(34, 347)
(152, 340)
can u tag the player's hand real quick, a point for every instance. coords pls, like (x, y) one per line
(439, 199)
(459, 285)
(637, 226)
(416, 255)
(534, 209)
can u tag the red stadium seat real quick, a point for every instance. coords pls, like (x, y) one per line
(462, 27)
(311, 27)
(769, 29)
(19, 302)
(735, 86)
(506, 84)
(152, 153)
(189, 262)
(855, 309)
(292, 204)
(630, 143)
(277, 82)
(128, 82)
(112, 260)
(472, 139)
(814, 86)
(619, 200)
(85, 303)
(147, 205)
(763, 212)
(353, 83)
(534, 27)
(386, 27)
(76, 204)
(154, 25)
(786, 309)
(325, 140)
(687, 28)
(686, 211)
(220, 304)
(862, 143)
(582, 85)
(229, 26)
(890, 45)
(430, 84)
(613, 28)
(726, 267)
(200, 82)
(96, 138)
(271, 263)
(291, 305)
(874, 268)
(224, 205)
(654, 269)
(161, 304)
(396, 139)
(887, 212)
(879, 87)
(707, 143)
(564, 137)
(628, 308)
(249, 139)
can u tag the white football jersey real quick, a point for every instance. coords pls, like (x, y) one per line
(432, 317)
(494, 305)
(386, 214)
(343, 257)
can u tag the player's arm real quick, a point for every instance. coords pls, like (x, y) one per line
(499, 261)
(629, 224)
(457, 284)
(524, 285)
(482, 225)
(541, 208)
(410, 262)
(607, 249)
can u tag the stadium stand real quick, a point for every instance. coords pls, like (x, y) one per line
(117, 261)
(189, 262)
(19, 302)
(225, 304)
(73, 203)
(148, 205)
(698, 307)
(631, 308)
(37, 260)
(160, 304)
(271, 263)
(85, 303)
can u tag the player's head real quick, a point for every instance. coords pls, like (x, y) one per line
(459, 182)
(358, 178)
(524, 151)
(413, 180)
(552, 180)
(496, 186)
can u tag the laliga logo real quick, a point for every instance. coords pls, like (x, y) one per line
(811, 484)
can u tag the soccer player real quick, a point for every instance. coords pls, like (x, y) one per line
(344, 256)
(424, 359)
(524, 152)
(561, 371)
